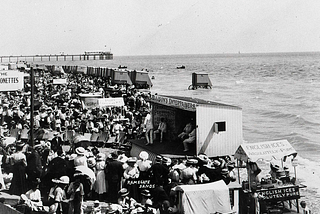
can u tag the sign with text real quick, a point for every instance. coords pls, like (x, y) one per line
(92, 102)
(185, 105)
(142, 184)
(108, 102)
(283, 193)
(59, 81)
(264, 150)
(11, 80)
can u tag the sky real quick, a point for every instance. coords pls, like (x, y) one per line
(158, 27)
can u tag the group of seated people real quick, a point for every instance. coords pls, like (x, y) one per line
(188, 135)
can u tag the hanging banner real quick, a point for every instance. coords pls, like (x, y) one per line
(59, 81)
(108, 102)
(92, 102)
(11, 80)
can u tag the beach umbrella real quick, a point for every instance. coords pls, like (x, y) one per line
(85, 171)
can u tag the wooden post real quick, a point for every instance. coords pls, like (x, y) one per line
(238, 167)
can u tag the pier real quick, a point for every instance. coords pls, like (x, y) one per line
(98, 55)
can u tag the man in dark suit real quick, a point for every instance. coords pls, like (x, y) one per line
(159, 172)
(56, 142)
(114, 172)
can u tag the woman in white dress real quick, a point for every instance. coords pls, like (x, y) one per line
(100, 185)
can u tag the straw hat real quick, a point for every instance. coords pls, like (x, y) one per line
(101, 157)
(144, 155)
(231, 164)
(113, 208)
(61, 180)
(19, 143)
(167, 161)
(216, 163)
(38, 146)
(80, 151)
(192, 161)
(146, 193)
(224, 171)
(123, 192)
(149, 202)
(204, 158)
(158, 159)
(72, 157)
(132, 160)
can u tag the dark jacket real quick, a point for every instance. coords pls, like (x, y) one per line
(114, 171)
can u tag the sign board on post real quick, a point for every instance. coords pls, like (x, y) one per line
(283, 193)
(11, 80)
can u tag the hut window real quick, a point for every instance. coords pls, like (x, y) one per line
(219, 127)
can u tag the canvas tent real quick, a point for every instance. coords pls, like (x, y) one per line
(264, 150)
(204, 198)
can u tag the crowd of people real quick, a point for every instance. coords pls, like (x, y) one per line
(51, 178)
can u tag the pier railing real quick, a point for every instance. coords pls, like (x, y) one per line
(58, 57)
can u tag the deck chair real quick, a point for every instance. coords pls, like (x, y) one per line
(94, 138)
(103, 138)
(24, 134)
(87, 136)
(15, 133)
(69, 136)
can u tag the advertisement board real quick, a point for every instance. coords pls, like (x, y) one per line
(11, 80)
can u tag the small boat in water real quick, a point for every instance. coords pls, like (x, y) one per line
(181, 67)
(122, 67)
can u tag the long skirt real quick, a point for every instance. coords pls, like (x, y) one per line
(18, 183)
(100, 185)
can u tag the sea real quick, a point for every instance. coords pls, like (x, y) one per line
(279, 94)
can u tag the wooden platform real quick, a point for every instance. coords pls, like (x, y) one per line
(171, 149)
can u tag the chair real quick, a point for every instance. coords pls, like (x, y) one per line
(24, 134)
(102, 138)
(69, 136)
(94, 136)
